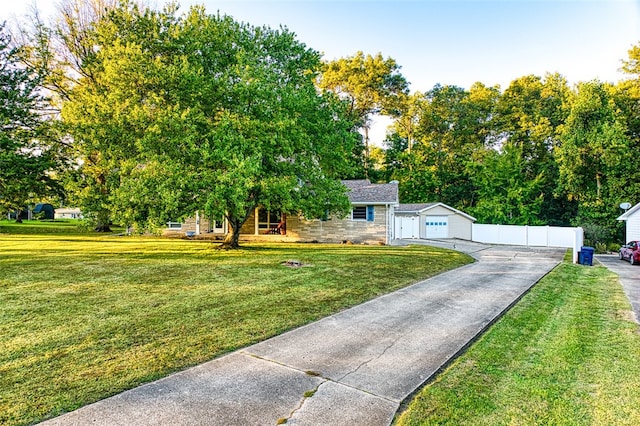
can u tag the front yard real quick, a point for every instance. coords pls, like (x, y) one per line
(85, 316)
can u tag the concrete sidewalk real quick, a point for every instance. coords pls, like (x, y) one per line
(353, 368)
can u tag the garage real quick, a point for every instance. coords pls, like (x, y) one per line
(432, 221)
(437, 226)
(407, 227)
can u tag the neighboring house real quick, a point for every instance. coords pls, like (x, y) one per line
(370, 220)
(432, 220)
(68, 213)
(632, 219)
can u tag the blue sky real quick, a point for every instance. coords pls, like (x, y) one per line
(449, 42)
(454, 42)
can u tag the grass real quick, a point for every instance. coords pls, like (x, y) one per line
(567, 354)
(57, 226)
(85, 316)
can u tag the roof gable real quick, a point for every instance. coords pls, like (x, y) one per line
(633, 210)
(420, 208)
(364, 192)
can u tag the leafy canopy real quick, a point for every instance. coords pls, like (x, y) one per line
(179, 113)
(26, 157)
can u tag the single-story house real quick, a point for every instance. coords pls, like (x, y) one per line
(432, 220)
(370, 220)
(632, 219)
(68, 213)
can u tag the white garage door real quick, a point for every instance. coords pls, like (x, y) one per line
(407, 227)
(437, 226)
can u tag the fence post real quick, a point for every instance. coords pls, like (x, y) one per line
(548, 238)
(578, 240)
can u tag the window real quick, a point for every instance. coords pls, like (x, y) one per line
(174, 225)
(362, 213)
(359, 213)
(268, 219)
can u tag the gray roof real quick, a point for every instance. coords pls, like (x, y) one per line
(414, 207)
(365, 192)
(419, 208)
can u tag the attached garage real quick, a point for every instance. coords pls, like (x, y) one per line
(434, 221)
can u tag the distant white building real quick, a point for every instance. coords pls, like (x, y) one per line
(68, 213)
(632, 219)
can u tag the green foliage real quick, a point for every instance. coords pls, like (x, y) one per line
(179, 113)
(448, 128)
(536, 153)
(369, 85)
(505, 195)
(27, 157)
(597, 160)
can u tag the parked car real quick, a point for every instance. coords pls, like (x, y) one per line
(630, 252)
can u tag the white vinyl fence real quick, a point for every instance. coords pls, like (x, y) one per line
(537, 236)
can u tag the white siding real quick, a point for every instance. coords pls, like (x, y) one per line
(459, 227)
(633, 227)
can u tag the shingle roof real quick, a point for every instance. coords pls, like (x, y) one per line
(363, 191)
(419, 208)
(414, 207)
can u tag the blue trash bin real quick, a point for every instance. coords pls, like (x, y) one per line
(586, 255)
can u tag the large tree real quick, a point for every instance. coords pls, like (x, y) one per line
(178, 113)
(528, 117)
(27, 158)
(371, 85)
(450, 130)
(597, 158)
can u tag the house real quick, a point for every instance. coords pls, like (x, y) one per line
(68, 213)
(370, 220)
(432, 220)
(632, 226)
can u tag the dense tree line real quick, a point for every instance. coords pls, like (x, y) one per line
(161, 114)
(539, 152)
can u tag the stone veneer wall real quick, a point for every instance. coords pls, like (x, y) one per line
(334, 230)
(339, 230)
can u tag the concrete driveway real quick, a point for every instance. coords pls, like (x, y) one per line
(629, 278)
(352, 368)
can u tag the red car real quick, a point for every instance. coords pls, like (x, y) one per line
(631, 252)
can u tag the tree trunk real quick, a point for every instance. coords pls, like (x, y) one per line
(231, 241)
(102, 222)
(102, 227)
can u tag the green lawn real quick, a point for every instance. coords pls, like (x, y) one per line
(58, 226)
(567, 354)
(85, 316)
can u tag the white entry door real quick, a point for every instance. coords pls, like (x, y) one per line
(437, 226)
(407, 227)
